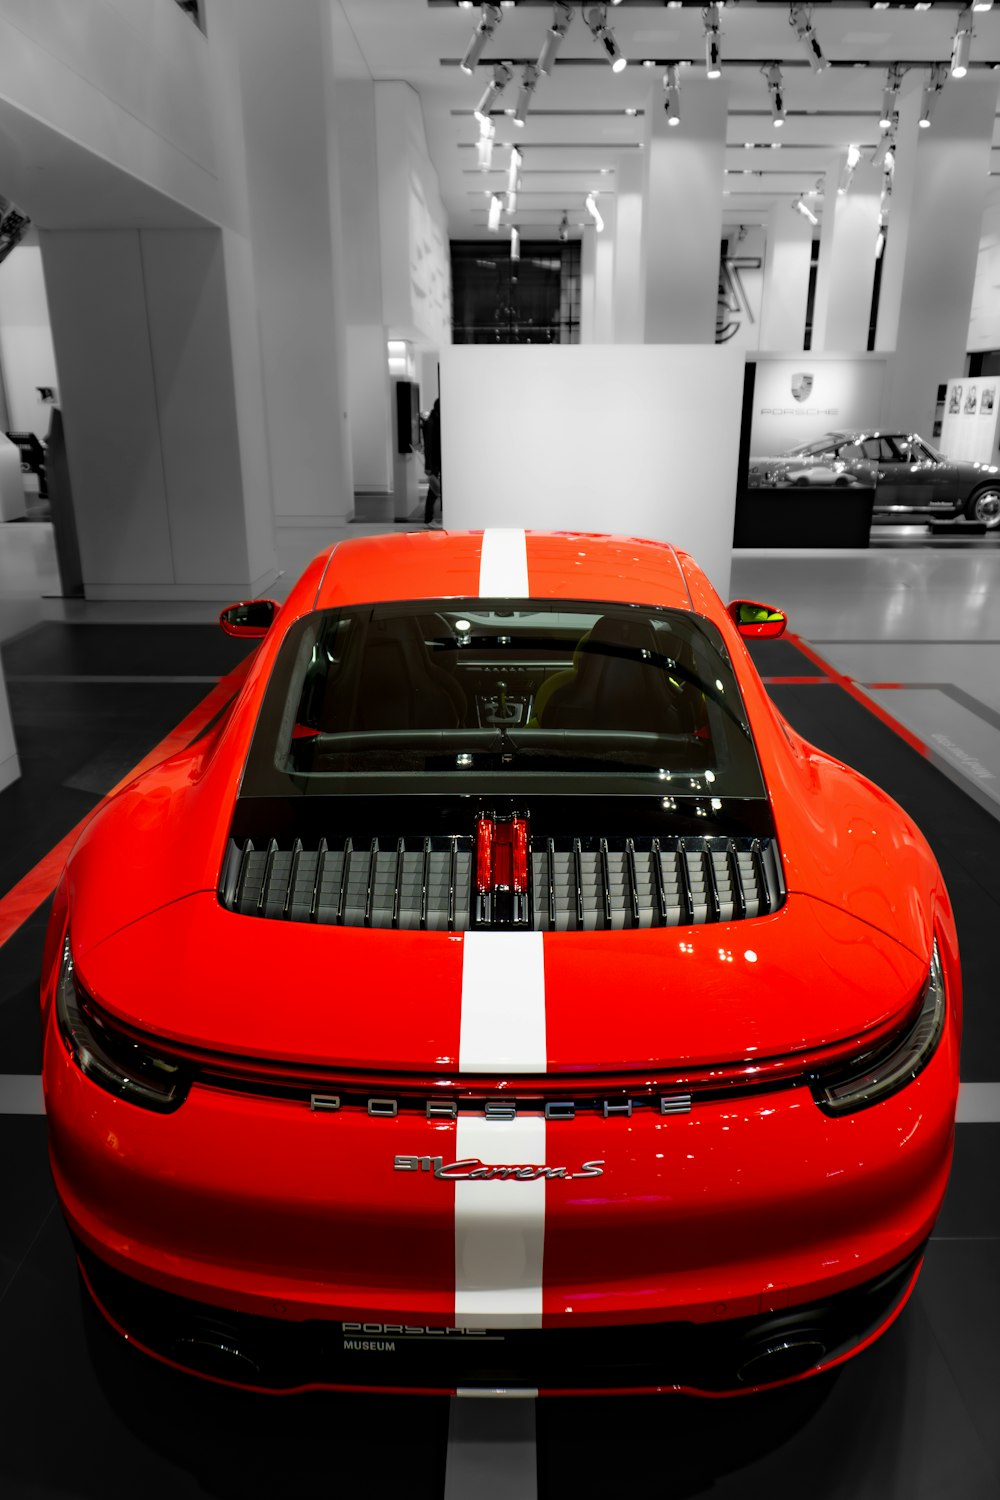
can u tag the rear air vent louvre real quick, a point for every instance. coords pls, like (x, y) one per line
(577, 885)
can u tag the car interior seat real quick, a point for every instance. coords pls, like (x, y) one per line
(392, 683)
(614, 685)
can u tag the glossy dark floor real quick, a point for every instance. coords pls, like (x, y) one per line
(81, 1415)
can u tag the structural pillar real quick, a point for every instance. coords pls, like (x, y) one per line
(368, 386)
(629, 285)
(683, 214)
(605, 331)
(845, 275)
(167, 498)
(785, 293)
(588, 297)
(932, 244)
(286, 66)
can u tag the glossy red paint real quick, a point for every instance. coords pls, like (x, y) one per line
(249, 1203)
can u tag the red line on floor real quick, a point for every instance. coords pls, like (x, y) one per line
(800, 681)
(850, 686)
(24, 898)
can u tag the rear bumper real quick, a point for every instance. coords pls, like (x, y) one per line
(729, 1357)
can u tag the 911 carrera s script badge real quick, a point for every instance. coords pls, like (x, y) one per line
(471, 1168)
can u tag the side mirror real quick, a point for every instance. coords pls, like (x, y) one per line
(249, 620)
(757, 622)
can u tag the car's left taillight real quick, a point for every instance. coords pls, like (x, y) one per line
(108, 1057)
(876, 1075)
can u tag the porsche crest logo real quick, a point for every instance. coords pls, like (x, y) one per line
(802, 384)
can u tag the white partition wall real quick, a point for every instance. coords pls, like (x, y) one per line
(641, 439)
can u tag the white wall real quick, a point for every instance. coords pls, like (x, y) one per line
(26, 354)
(415, 258)
(142, 327)
(640, 439)
(784, 288)
(129, 81)
(984, 324)
(846, 392)
(368, 390)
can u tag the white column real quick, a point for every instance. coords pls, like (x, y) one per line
(588, 266)
(167, 498)
(286, 66)
(368, 386)
(846, 271)
(933, 243)
(683, 214)
(604, 277)
(786, 279)
(628, 273)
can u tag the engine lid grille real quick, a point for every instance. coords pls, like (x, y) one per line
(575, 884)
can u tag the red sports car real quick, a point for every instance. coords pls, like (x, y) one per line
(501, 996)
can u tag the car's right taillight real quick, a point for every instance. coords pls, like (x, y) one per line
(876, 1075)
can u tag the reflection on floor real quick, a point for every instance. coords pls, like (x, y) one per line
(914, 1418)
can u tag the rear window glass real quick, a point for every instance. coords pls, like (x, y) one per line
(507, 694)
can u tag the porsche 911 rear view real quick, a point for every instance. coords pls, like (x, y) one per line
(503, 997)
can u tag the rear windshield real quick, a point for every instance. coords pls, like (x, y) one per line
(503, 695)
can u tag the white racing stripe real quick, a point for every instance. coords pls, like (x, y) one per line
(503, 1003)
(500, 1223)
(500, 1227)
(503, 564)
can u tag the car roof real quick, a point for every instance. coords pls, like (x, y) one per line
(560, 565)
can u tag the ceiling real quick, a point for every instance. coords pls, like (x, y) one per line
(585, 119)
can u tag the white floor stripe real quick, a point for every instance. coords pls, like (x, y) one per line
(979, 1104)
(116, 679)
(503, 564)
(21, 1094)
(500, 1227)
(491, 1451)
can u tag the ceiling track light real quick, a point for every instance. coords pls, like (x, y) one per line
(893, 78)
(847, 174)
(672, 94)
(803, 208)
(594, 212)
(502, 74)
(489, 19)
(493, 218)
(562, 16)
(513, 168)
(515, 243)
(884, 148)
(776, 88)
(929, 98)
(800, 16)
(513, 182)
(597, 20)
(529, 82)
(713, 41)
(484, 146)
(961, 43)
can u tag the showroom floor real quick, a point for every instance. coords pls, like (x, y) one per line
(894, 665)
